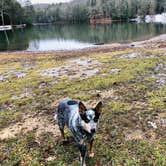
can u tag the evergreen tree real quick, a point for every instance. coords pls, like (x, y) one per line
(29, 12)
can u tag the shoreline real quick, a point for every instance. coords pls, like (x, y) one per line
(96, 48)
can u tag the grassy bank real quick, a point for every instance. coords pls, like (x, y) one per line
(129, 80)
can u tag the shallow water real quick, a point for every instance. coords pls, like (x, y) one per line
(77, 36)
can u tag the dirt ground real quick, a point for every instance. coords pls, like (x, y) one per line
(130, 79)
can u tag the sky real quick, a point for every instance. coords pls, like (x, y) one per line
(49, 1)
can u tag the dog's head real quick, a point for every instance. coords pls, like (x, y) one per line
(90, 117)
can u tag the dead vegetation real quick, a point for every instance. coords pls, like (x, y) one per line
(130, 81)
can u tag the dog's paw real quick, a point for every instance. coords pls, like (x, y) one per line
(91, 155)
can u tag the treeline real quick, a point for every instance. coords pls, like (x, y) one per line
(125, 9)
(11, 12)
(76, 11)
(84, 10)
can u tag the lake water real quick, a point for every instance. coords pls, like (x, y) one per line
(77, 36)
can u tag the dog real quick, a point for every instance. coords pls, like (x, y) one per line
(81, 121)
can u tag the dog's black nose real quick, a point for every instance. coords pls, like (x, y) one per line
(93, 131)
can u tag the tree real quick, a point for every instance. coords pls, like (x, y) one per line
(11, 10)
(160, 6)
(14, 13)
(29, 12)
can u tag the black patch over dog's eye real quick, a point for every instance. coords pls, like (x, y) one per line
(85, 119)
(96, 118)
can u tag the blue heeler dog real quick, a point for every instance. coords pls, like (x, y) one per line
(81, 121)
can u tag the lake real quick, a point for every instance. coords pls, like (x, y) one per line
(77, 36)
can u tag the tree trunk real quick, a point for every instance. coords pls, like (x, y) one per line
(3, 23)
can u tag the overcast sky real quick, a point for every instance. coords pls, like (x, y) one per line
(49, 1)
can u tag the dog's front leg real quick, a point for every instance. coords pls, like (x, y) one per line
(91, 154)
(82, 148)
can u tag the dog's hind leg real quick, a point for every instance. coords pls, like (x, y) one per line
(62, 133)
(61, 128)
(61, 121)
(61, 124)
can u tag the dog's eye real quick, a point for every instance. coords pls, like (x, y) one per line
(85, 119)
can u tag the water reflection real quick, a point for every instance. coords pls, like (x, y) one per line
(58, 44)
(77, 36)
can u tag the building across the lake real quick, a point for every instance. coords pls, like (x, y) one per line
(99, 19)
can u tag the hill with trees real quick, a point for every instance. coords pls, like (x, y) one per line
(14, 12)
(78, 10)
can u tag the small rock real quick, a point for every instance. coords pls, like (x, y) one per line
(152, 124)
(115, 70)
(42, 84)
(51, 158)
(20, 75)
(1, 77)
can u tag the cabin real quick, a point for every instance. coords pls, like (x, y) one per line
(99, 19)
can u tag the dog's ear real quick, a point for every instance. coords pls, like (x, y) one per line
(98, 107)
(82, 108)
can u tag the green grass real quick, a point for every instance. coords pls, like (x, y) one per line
(136, 99)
